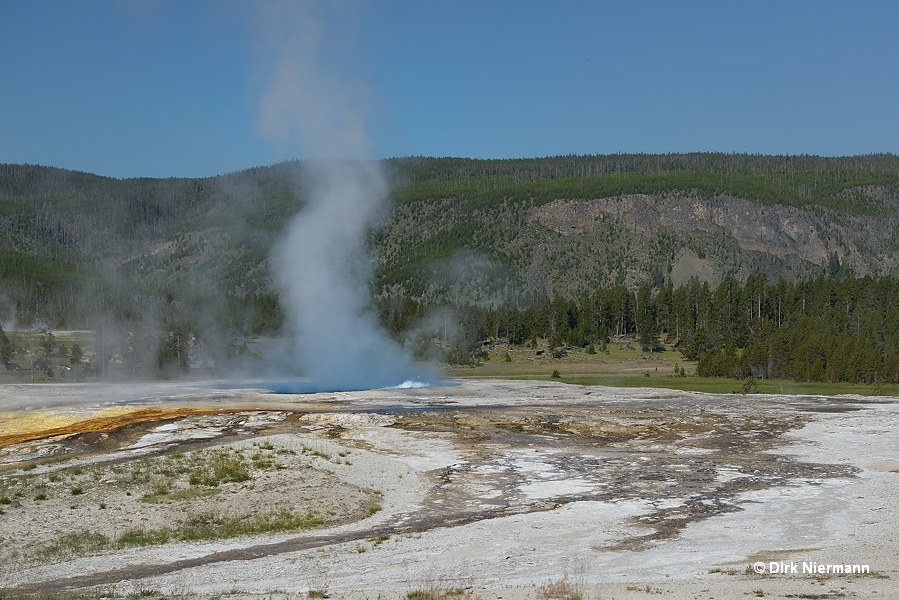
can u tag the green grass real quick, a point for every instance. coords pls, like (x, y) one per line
(208, 526)
(313, 452)
(76, 543)
(623, 364)
(218, 467)
(174, 496)
(143, 537)
(432, 593)
(199, 527)
(28, 344)
(720, 385)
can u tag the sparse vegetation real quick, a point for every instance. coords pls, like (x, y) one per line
(313, 452)
(178, 478)
(560, 589)
(647, 589)
(435, 593)
(208, 526)
(74, 544)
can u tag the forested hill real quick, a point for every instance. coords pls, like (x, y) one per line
(569, 224)
(457, 230)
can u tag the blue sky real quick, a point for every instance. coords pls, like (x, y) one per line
(163, 88)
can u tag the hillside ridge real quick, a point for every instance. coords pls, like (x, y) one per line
(455, 229)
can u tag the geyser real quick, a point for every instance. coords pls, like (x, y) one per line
(323, 271)
(334, 339)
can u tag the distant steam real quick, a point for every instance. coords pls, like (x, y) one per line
(8, 319)
(320, 263)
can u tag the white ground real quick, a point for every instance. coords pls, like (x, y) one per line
(835, 520)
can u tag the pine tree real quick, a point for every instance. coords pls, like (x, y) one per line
(6, 348)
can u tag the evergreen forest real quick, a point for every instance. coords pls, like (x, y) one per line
(817, 330)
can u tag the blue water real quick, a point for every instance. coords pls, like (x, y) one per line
(306, 386)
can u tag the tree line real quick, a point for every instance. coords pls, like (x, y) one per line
(793, 180)
(827, 329)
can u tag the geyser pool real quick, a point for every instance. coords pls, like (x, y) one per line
(309, 386)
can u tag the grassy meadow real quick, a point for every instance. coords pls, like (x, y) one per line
(27, 346)
(623, 364)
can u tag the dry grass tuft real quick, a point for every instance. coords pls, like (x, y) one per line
(561, 589)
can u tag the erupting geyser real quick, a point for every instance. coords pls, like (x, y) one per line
(323, 270)
(335, 340)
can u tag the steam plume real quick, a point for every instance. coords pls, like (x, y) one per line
(320, 263)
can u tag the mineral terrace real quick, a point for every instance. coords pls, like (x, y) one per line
(490, 489)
